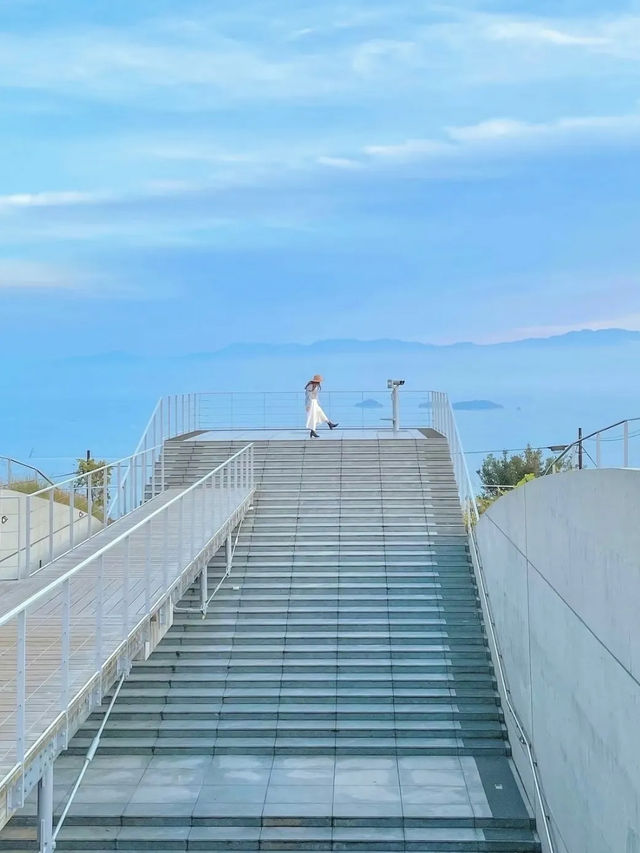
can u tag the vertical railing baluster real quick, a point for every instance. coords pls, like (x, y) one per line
(133, 470)
(192, 533)
(165, 556)
(51, 496)
(72, 507)
(106, 475)
(27, 541)
(65, 645)
(180, 533)
(147, 569)
(598, 450)
(143, 468)
(21, 686)
(154, 457)
(126, 564)
(89, 502)
(99, 616)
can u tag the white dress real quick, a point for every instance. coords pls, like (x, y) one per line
(315, 415)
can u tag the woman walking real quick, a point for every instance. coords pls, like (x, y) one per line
(315, 415)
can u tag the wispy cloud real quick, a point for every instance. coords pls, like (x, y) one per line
(20, 274)
(340, 162)
(534, 32)
(498, 134)
(67, 198)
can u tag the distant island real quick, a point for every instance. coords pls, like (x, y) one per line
(476, 405)
(369, 404)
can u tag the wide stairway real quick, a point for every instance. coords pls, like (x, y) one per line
(339, 694)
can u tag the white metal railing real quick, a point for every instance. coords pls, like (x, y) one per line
(445, 423)
(613, 446)
(14, 472)
(180, 414)
(54, 645)
(52, 518)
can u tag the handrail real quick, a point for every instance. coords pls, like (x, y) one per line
(43, 537)
(26, 465)
(37, 596)
(454, 439)
(80, 476)
(584, 438)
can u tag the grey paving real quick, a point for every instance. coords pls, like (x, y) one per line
(339, 694)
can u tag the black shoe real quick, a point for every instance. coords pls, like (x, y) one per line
(331, 425)
(313, 434)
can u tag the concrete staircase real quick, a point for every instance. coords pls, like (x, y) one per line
(348, 636)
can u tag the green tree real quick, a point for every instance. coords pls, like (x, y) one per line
(499, 471)
(499, 474)
(95, 486)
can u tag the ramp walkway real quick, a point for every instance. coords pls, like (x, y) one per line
(338, 694)
(67, 632)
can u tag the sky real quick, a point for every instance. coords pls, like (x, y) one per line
(179, 176)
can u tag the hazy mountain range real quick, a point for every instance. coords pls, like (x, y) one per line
(538, 390)
(341, 346)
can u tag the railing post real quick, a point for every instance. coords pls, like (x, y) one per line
(228, 553)
(51, 490)
(598, 451)
(169, 416)
(45, 810)
(144, 462)
(125, 587)
(162, 475)
(89, 502)
(106, 473)
(626, 444)
(132, 482)
(147, 569)
(21, 690)
(99, 620)
(153, 458)
(65, 645)
(192, 537)
(165, 556)
(180, 533)
(72, 512)
(27, 542)
(120, 501)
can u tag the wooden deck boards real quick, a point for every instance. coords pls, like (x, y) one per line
(168, 557)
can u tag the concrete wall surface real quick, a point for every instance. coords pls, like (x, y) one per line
(561, 557)
(13, 531)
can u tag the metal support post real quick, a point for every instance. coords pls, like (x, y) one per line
(395, 409)
(598, 451)
(50, 525)
(204, 590)
(580, 451)
(228, 553)
(626, 444)
(27, 541)
(45, 810)
(89, 503)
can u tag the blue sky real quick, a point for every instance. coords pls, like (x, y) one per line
(177, 176)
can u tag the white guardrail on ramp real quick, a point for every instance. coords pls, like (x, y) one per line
(66, 644)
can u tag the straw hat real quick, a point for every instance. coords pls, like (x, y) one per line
(317, 378)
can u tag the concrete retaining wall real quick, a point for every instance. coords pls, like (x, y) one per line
(12, 531)
(562, 561)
